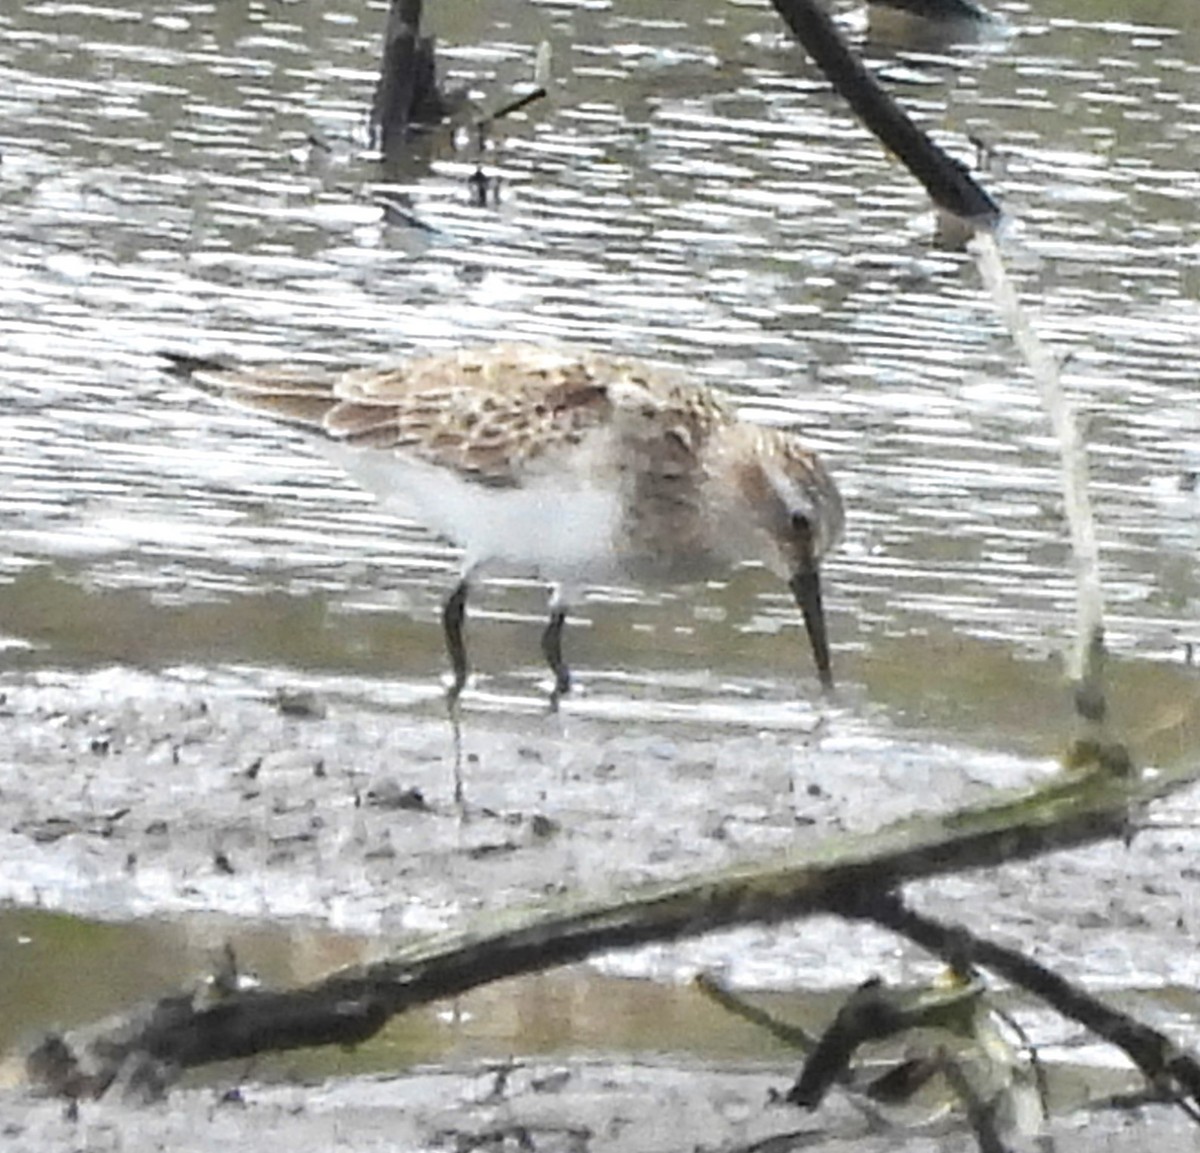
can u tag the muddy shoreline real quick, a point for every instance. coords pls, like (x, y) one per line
(129, 795)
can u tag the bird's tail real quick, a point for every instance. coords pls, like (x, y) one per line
(297, 394)
(186, 365)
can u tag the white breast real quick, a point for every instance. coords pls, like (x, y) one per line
(560, 524)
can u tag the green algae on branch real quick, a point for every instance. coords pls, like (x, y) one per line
(846, 875)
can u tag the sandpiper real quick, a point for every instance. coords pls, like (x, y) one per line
(575, 466)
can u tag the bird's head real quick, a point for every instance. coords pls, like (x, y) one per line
(800, 509)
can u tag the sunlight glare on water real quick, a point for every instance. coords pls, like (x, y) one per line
(689, 192)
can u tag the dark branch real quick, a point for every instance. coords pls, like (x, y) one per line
(949, 184)
(1165, 1066)
(407, 93)
(351, 1005)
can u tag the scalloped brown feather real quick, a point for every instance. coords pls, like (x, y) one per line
(484, 413)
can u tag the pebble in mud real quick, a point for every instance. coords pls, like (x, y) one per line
(389, 793)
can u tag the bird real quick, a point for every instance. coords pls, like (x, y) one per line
(575, 466)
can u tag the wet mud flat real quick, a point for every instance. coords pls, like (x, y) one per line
(553, 1107)
(127, 795)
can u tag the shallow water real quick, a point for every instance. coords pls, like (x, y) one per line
(577, 1010)
(691, 193)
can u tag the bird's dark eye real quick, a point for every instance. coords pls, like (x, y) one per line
(802, 532)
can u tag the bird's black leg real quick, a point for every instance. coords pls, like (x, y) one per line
(552, 648)
(453, 613)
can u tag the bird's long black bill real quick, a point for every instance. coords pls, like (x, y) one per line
(806, 587)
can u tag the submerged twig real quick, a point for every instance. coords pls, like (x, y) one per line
(481, 186)
(407, 94)
(1086, 665)
(513, 106)
(794, 1036)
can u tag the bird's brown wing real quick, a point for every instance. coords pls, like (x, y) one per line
(485, 413)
